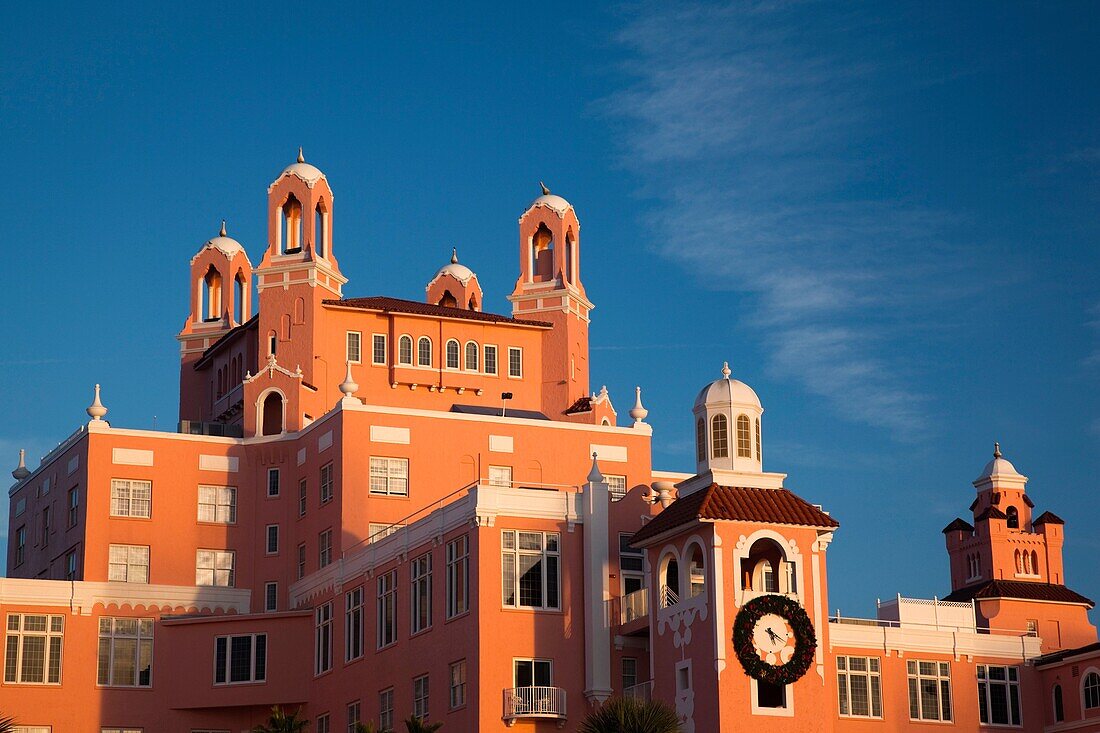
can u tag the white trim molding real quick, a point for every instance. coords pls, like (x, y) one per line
(81, 596)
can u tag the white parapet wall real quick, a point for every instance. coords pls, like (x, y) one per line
(928, 613)
(80, 597)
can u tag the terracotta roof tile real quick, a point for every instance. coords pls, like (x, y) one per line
(991, 513)
(1063, 653)
(772, 506)
(1019, 589)
(583, 404)
(958, 525)
(399, 305)
(1049, 518)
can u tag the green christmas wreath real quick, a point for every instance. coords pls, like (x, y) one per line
(805, 639)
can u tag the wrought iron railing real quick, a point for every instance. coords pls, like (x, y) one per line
(534, 702)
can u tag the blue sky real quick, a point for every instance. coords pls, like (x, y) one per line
(883, 216)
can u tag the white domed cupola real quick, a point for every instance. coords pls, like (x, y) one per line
(727, 426)
(455, 286)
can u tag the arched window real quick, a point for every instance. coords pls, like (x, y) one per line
(212, 295)
(767, 570)
(719, 437)
(1091, 690)
(700, 440)
(670, 582)
(758, 448)
(424, 351)
(1059, 711)
(570, 258)
(447, 300)
(405, 350)
(238, 297)
(1019, 563)
(542, 254)
(473, 303)
(290, 215)
(320, 229)
(744, 438)
(696, 571)
(272, 418)
(1034, 562)
(272, 342)
(1027, 563)
(472, 353)
(285, 326)
(452, 354)
(299, 310)
(1013, 517)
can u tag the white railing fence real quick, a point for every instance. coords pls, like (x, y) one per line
(534, 702)
(669, 597)
(641, 691)
(635, 605)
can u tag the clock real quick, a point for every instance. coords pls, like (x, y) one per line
(774, 639)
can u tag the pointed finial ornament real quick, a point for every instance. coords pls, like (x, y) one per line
(996, 450)
(301, 158)
(349, 386)
(545, 190)
(454, 255)
(222, 232)
(96, 410)
(638, 412)
(726, 369)
(21, 471)
(594, 476)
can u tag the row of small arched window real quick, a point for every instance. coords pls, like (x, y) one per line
(1027, 563)
(229, 376)
(456, 356)
(974, 565)
(766, 570)
(719, 438)
(1090, 694)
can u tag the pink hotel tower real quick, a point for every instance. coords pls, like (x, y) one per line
(352, 520)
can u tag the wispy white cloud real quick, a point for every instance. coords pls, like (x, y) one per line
(759, 150)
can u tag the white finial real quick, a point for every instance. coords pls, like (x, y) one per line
(96, 410)
(638, 412)
(301, 158)
(349, 386)
(726, 369)
(21, 471)
(594, 476)
(454, 255)
(222, 232)
(996, 450)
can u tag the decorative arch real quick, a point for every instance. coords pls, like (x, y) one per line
(570, 257)
(299, 310)
(668, 576)
(719, 437)
(1090, 689)
(695, 558)
(1019, 562)
(240, 294)
(405, 350)
(1059, 707)
(321, 229)
(290, 225)
(1035, 562)
(473, 352)
(284, 327)
(451, 353)
(424, 351)
(791, 573)
(271, 412)
(542, 254)
(210, 298)
(1013, 517)
(448, 300)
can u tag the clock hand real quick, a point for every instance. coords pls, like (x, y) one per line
(772, 635)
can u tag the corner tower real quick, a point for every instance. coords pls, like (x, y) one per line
(549, 289)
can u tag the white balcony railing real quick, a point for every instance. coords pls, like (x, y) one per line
(634, 605)
(642, 691)
(534, 702)
(669, 597)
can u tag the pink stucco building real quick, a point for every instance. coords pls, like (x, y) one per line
(374, 508)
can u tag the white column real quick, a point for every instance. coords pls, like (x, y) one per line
(595, 498)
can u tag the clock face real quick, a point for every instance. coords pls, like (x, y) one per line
(773, 639)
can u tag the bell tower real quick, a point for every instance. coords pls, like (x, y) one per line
(549, 289)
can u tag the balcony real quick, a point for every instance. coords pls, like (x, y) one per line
(642, 691)
(547, 703)
(634, 606)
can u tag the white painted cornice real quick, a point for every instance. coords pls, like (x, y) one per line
(907, 641)
(80, 597)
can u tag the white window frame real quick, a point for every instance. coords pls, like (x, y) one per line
(512, 554)
(457, 684)
(456, 363)
(485, 350)
(355, 715)
(276, 484)
(1088, 691)
(324, 548)
(458, 576)
(52, 637)
(385, 709)
(500, 476)
(301, 560)
(323, 721)
(616, 486)
(512, 373)
(1011, 684)
(303, 496)
(327, 489)
(420, 341)
(421, 696)
(268, 537)
(322, 657)
(20, 546)
(354, 612)
(420, 593)
(386, 478)
(387, 609)
(135, 554)
(401, 341)
(222, 504)
(128, 494)
(467, 352)
(353, 346)
(377, 531)
(871, 676)
(630, 676)
(377, 338)
(218, 560)
(914, 674)
(534, 662)
(74, 506)
(271, 588)
(254, 675)
(142, 638)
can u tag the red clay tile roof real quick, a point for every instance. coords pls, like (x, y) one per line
(1049, 518)
(991, 512)
(583, 404)
(1029, 502)
(1019, 589)
(958, 525)
(399, 305)
(1063, 653)
(773, 506)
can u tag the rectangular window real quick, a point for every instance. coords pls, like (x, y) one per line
(302, 494)
(421, 576)
(389, 476)
(533, 673)
(378, 349)
(616, 486)
(387, 608)
(218, 504)
(323, 638)
(355, 347)
(45, 526)
(515, 361)
(354, 713)
(326, 483)
(20, 545)
(458, 576)
(131, 498)
(420, 696)
(530, 563)
(353, 624)
(323, 724)
(32, 649)
(125, 652)
(273, 482)
(500, 476)
(381, 531)
(301, 561)
(859, 687)
(929, 690)
(385, 709)
(240, 658)
(74, 506)
(458, 684)
(490, 360)
(271, 596)
(272, 539)
(70, 566)
(214, 567)
(324, 547)
(998, 695)
(128, 563)
(630, 672)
